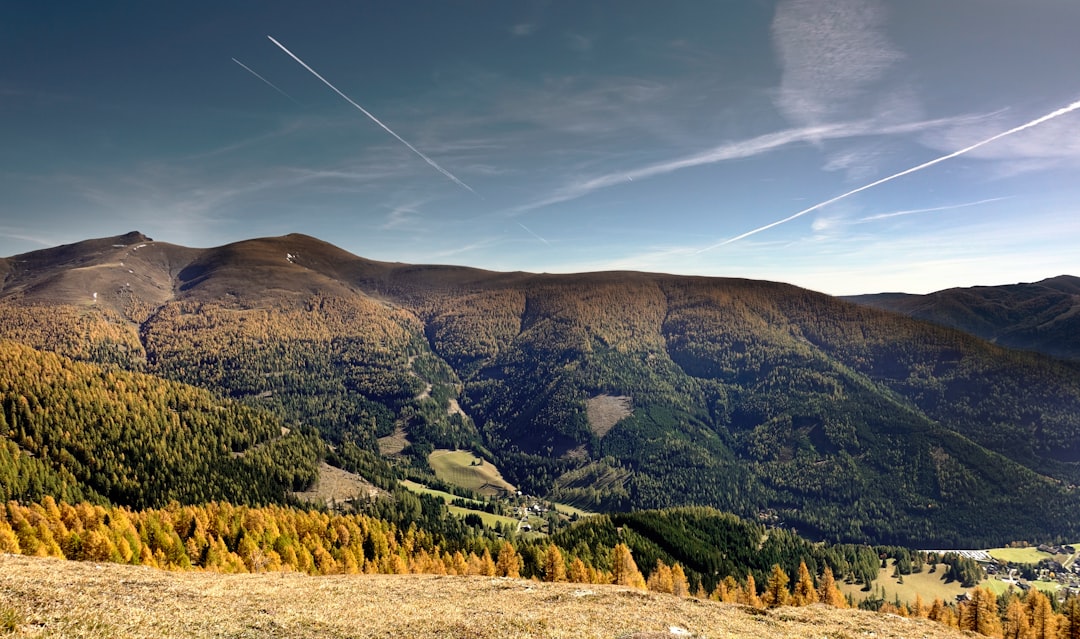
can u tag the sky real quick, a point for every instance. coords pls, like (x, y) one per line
(792, 140)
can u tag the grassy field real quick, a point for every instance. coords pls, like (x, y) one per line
(930, 586)
(1020, 555)
(997, 586)
(488, 518)
(54, 598)
(568, 510)
(462, 468)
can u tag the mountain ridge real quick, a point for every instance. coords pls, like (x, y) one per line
(846, 421)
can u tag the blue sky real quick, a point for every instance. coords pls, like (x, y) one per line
(559, 136)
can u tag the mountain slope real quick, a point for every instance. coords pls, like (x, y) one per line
(764, 399)
(129, 601)
(1042, 316)
(78, 432)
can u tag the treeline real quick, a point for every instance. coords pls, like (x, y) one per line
(226, 538)
(80, 431)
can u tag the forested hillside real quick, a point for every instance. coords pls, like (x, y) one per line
(1040, 316)
(847, 422)
(77, 431)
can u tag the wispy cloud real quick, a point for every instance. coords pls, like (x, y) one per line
(933, 209)
(831, 51)
(403, 215)
(737, 150)
(523, 29)
(1052, 145)
(22, 235)
(1065, 110)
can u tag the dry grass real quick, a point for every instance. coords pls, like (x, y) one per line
(604, 411)
(394, 443)
(338, 485)
(54, 598)
(929, 585)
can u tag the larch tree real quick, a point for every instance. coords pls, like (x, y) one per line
(805, 593)
(1041, 612)
(624, 570)
(828, 592)
(680, 586)
(1017, 624)
(980, 614)
(509, 563)
(660, 580)
(750, 596)
(554, 565)
(1069, 628)
(776, 591)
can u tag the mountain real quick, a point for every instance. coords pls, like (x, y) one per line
(1042, 316)
(612, 391)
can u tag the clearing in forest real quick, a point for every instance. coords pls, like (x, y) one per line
(463, 468)
(604, 411)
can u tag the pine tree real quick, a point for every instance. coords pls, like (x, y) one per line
(776, 591)
(805, 593)
(487, 565)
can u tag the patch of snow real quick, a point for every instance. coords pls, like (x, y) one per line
(290, 258)
(679, 632)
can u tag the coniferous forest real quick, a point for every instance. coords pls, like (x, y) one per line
(175, 420)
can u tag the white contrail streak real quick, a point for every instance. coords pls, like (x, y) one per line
(933, 209)
(1036, 122)
(373, 118)
(533, 233)
(269, 83)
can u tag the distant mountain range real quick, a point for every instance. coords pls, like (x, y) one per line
(1042, 316)
(612, 391)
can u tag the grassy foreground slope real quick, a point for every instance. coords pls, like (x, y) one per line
(50, 598)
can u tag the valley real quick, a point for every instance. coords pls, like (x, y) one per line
(279, 404)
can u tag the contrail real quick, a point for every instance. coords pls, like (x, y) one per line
(373, 118)
(1036, 122)
(933, 209)
(533, 233)
(271, 84)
